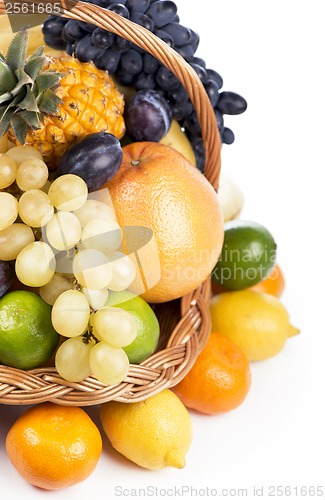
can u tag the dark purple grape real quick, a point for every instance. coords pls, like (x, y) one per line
(131, 62)
(95, 158)
(162, 12)
(53, 26)
(219, 118)
(86, 51)
(201, 72)
(102, 39)
(187, 51)
(73, 31)
(200, 62)
(143, 20)
(70, 48)
(231, 103)
(147, 116)
(6, 277)
(212, 90)
(165, 37)
(55, 43)
(121, 44)
(144, 81)
(181, 110)
(138, 5)
(213, 75)
(87, 26)
(178, 95)
(227, 136)
(195, 39)
(124, 78)
(180, 34)
(65, 37)
(166, 79)
(119, 9)
(108, 61)
(150, 63)
(199, 151)
(192, 125)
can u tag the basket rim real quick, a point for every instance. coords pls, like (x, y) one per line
(168, 366)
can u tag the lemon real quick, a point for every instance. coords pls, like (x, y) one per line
(154, 433)
(257, 322)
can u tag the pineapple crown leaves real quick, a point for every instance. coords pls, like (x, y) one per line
(27, 90)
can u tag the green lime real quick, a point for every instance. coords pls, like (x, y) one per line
(148, 329)
(27, 337)
(247, 257)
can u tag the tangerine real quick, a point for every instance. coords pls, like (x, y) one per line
(274, 284)
(157, 189)
(54, 446)
(219, 380)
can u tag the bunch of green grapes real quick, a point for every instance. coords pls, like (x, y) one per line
(75, 261)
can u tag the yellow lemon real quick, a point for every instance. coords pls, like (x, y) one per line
(154, 433)
(257, 322)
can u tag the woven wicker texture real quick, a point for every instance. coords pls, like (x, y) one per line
(185, 324)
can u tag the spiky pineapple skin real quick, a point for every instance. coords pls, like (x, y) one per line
(90, 103)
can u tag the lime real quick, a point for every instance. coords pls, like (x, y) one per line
(148, 329)
(27, 337)
(247, 257)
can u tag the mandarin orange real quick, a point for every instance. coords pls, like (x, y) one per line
(220, 379)
(54, 446)
(274, 284)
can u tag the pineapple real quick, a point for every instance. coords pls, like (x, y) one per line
(49, 103)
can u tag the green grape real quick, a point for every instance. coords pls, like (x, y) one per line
(22, 153)
(32, 174)
(68, 192)
(103, 235)
(92, 269)
(54, 288)
(70, 313)
(8, 171)
(63, 230)
(115, 326)
(35, 208)
(124, 271)
(13, 239)
(35, 264)
(72, 359)
(8, 210)
(96, 298)
(94, 209)
(110, 365)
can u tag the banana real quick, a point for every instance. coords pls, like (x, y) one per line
(178, 140)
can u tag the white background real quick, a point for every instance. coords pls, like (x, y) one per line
(271, 52)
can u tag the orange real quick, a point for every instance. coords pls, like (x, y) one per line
(54, 446)
(219, 380)
(157, 188)
(274, 284)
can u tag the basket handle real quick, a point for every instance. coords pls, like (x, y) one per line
(146, 40)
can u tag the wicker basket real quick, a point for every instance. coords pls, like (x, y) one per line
(185, 324)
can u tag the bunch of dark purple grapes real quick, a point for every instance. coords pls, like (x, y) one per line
(134, 66)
